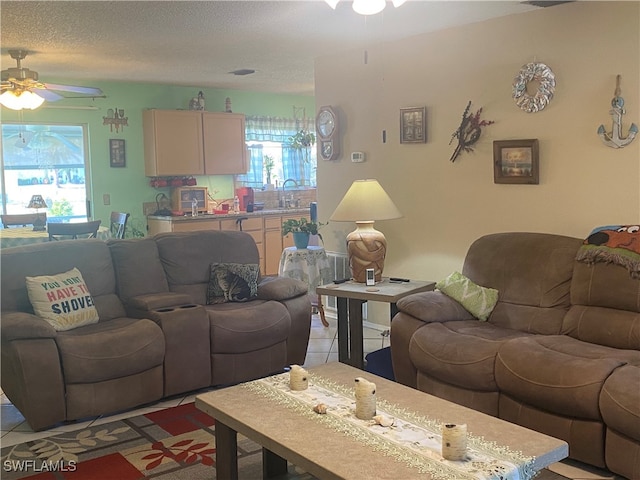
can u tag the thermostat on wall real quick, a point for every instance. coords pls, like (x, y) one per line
(357, 157)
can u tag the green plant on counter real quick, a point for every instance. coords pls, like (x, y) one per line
(269, 164)
(303, 225)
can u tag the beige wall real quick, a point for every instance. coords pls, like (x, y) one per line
(447, 205)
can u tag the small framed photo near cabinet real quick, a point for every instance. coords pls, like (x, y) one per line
(117, 156)
(413, 125)
(516, 161)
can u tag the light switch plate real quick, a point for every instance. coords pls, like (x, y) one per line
(106, 199)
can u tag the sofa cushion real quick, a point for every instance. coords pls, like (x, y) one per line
(63, 300)
(477, 300)
(460, 353)
(620, 401)
(186, 257)
(137, 266)
(605, 306)
(558, 373)
(532, 272)
(108, 350)
(249, 326)
(50, 258)
(233, 282)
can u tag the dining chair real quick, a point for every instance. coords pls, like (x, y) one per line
(118, 224)
(58, 231)
(23, 219)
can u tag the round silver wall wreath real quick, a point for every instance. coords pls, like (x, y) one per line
(546, 80)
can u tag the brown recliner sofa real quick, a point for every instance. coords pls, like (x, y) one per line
(155, 337)
(560, 352)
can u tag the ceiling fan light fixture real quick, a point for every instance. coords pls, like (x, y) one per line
(19, 100)
(368, 7)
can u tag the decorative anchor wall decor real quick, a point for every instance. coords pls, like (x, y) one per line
(615, 139)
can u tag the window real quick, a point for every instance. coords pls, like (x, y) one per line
(47, 160)
(270, 143)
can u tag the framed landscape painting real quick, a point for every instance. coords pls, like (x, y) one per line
(516, 162)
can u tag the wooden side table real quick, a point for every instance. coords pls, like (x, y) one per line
(350, 298)
(312, 266)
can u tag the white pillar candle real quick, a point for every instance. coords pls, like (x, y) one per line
(298, 378)
(365, 399)
(454, 441)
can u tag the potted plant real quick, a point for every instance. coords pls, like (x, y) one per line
(302, 141)
(300, 229)
(269, 165)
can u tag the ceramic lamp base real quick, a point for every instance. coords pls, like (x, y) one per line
(366, 248)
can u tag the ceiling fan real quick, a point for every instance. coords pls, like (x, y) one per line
(21, 88)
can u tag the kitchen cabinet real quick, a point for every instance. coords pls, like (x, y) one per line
(173, 143)
(225, 151)
(274, 242)
(264, 228)
(252, 226)
(188, 142)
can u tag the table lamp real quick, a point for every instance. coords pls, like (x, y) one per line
(364, 203)
(37, 202)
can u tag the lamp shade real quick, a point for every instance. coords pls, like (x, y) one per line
(20, 100)
(37, 202)
(365, 200)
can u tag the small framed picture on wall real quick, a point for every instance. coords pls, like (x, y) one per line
(516, 161)
(117, 155)
(413, 125)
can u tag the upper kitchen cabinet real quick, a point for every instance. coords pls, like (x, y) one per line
(187, 142)
(225, 150)
(173, 143)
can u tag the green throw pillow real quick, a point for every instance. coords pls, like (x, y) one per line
(233, 282)
(478, 301)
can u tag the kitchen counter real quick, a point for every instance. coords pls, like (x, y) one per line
(265, 226)
(216, 216)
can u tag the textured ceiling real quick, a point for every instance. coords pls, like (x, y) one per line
(198, 43)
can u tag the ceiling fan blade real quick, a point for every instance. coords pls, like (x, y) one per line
(74, 89)
(48, 95)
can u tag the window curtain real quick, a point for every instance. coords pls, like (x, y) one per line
(253, 178)
(279, 130)
(295, 164)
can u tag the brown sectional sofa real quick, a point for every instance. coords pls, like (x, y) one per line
(560, 352)
(156, 336)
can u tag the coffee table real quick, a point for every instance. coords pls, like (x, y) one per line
(350, 297)
(287, 433)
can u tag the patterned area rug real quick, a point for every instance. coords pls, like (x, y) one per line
(177, 443)
(173, 444)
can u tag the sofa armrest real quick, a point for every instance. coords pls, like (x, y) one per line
(280, 288)
(154, 301)
(433, 306)
(22, 325)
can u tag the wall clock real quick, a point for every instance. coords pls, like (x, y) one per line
(327, 130)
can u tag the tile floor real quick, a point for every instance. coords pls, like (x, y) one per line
(323, 348)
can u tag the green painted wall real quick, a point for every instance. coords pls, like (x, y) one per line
(128, 187)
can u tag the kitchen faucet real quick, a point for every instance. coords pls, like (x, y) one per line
(288, 202)
(289, 180)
